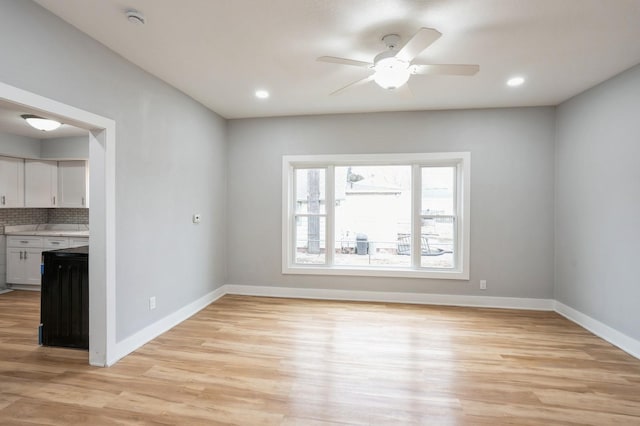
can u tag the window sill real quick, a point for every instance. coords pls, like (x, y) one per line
(376, 272)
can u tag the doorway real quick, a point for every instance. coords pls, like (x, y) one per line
(102, 342)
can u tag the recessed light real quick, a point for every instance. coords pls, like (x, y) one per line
(262, 94)
(515, 81)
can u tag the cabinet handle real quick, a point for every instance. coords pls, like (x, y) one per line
(55, 242)
(25, 255)
(24, 242)
(21, 255)
(83, 201)
(3, 200)
(54, 200)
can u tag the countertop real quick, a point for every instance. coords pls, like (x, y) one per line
(48, 230)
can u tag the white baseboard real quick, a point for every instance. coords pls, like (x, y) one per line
(611, 335)
(152, 331)
(392, 297)
(24, 287)
(5, 290)
(131, 343)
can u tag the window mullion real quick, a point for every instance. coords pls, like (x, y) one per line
(416, 220)
(292, 217)
(457, 235)
(330, 208)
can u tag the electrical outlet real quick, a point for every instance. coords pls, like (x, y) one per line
(152, 303)
(196, 218)
(483, 284)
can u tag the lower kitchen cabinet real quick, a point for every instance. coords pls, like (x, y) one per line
(64, 312)
(23, 265)
(24, 256)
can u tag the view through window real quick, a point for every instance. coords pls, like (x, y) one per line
(350, 215)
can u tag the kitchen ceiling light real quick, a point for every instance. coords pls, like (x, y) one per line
(44, 124)
(515, 81)
(391, 73)
(262, 94)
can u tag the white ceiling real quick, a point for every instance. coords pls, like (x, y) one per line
(220, 51)
(11, 122)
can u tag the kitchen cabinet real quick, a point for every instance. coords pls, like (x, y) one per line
(40, 183)
(78, 241)
(11, 182)
(24, 256)
(23, 266)
(64, 310)
(73, 177)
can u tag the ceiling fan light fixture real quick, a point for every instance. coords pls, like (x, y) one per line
(391, 73)
(44, 124)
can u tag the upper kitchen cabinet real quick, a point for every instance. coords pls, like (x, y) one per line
(73, 177)
(11, 182)
(40, 183)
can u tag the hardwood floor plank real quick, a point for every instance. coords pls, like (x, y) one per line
(249, 360)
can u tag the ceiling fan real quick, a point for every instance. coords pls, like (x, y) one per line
(393, 68)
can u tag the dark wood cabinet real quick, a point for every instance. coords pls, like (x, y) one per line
(64, 310)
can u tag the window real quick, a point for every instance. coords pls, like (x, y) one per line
(404, 215)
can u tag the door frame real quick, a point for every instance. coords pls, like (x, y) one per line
(102, 214)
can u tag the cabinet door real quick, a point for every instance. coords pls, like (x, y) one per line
(40, 183)
(15, 266)
(32, 270)
(11, 182)
(23, 266)
(72, 184)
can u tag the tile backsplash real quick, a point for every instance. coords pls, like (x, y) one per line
(23, 216)
(68, 216)
(35, 216)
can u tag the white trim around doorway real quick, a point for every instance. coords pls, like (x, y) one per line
(102, 217)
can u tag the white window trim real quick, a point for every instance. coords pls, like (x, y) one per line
(463, 182)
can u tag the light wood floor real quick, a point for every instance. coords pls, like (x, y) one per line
(248, 361)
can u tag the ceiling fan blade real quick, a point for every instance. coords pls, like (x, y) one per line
(355, 83)
(420, 41)
(344, 61)
(452, 69)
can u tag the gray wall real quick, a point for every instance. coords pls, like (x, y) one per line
(58, 148)
(511, 192)
(19, 146)
(598, 203)
(170, 160)
(75, 148)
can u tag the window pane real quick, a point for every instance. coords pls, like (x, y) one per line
(438, 234)
(438, 239)
(310, 190)
(438, 190)
(373, 215)
(310, 240)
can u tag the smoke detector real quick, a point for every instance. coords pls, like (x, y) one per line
(135, 17)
